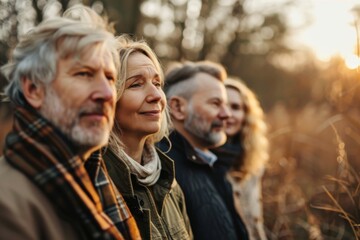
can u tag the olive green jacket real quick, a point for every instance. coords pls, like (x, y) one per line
(159, 210)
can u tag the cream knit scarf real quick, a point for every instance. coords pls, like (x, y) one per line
(149, 172)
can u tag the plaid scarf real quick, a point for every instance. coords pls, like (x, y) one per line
(83, 192)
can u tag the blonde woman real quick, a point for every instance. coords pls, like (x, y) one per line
(143, 174)
(245, 154)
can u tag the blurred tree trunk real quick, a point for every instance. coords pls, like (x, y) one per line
(126, 14)
(64, 4)
(38, 11)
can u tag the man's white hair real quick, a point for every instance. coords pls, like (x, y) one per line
(37, 53)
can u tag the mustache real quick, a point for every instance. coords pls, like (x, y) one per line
(217, 124)
(99, 109)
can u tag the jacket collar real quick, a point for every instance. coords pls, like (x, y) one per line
(129, 181)
(178, 141)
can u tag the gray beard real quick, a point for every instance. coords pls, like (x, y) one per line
(67, 119)
(201, 129)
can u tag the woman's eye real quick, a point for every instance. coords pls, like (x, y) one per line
(135, 85)
(235, 107)
(158, 84)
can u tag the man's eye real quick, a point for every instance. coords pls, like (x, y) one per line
(110, 78)
(217, 104)
(84, 74)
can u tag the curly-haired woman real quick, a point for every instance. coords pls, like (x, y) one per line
(244, 155)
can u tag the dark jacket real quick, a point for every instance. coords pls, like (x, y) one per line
(159, 210)
(208, 194)
(247, 191)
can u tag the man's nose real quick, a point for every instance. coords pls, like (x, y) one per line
(104, 89)
(225, 112)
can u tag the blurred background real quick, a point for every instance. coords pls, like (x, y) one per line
(301, 57)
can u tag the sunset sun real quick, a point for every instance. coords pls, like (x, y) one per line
(333, 31)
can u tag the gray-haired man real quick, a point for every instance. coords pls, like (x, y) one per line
(62, 83)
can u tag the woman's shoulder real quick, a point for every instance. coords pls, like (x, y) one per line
(177, 191)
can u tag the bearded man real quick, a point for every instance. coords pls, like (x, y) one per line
(198, 106)
(62, 83)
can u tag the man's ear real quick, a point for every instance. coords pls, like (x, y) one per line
(34, 94)
(178, 107)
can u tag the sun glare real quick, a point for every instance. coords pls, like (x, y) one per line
(333, 30)
(352, 61)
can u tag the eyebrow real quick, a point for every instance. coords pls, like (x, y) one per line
(80, 65)
(141, 73)
(215, 99)
(133, 76)
(77, 64)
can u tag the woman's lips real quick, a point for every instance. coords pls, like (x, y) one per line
(153, 113)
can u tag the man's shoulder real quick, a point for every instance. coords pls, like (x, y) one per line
(25, 211)
(10, 176)
(180, 150)
(21, 194)
(16, 187)
(174, 144)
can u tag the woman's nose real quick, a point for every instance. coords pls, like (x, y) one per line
(154, 94)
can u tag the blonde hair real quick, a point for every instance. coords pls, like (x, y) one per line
(126, 47)
(253, 133)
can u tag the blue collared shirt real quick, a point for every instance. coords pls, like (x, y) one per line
(209, 157)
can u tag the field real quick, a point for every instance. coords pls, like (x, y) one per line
(311, 186)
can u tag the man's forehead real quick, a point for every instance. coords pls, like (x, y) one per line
(208, 93)
(205, 82)
(94, 59)
(202, 76)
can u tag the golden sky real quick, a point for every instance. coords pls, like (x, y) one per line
(333, 30)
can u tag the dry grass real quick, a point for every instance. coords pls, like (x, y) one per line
(311, 188)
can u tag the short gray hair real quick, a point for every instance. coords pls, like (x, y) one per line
(37, 53)
(176, 79)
